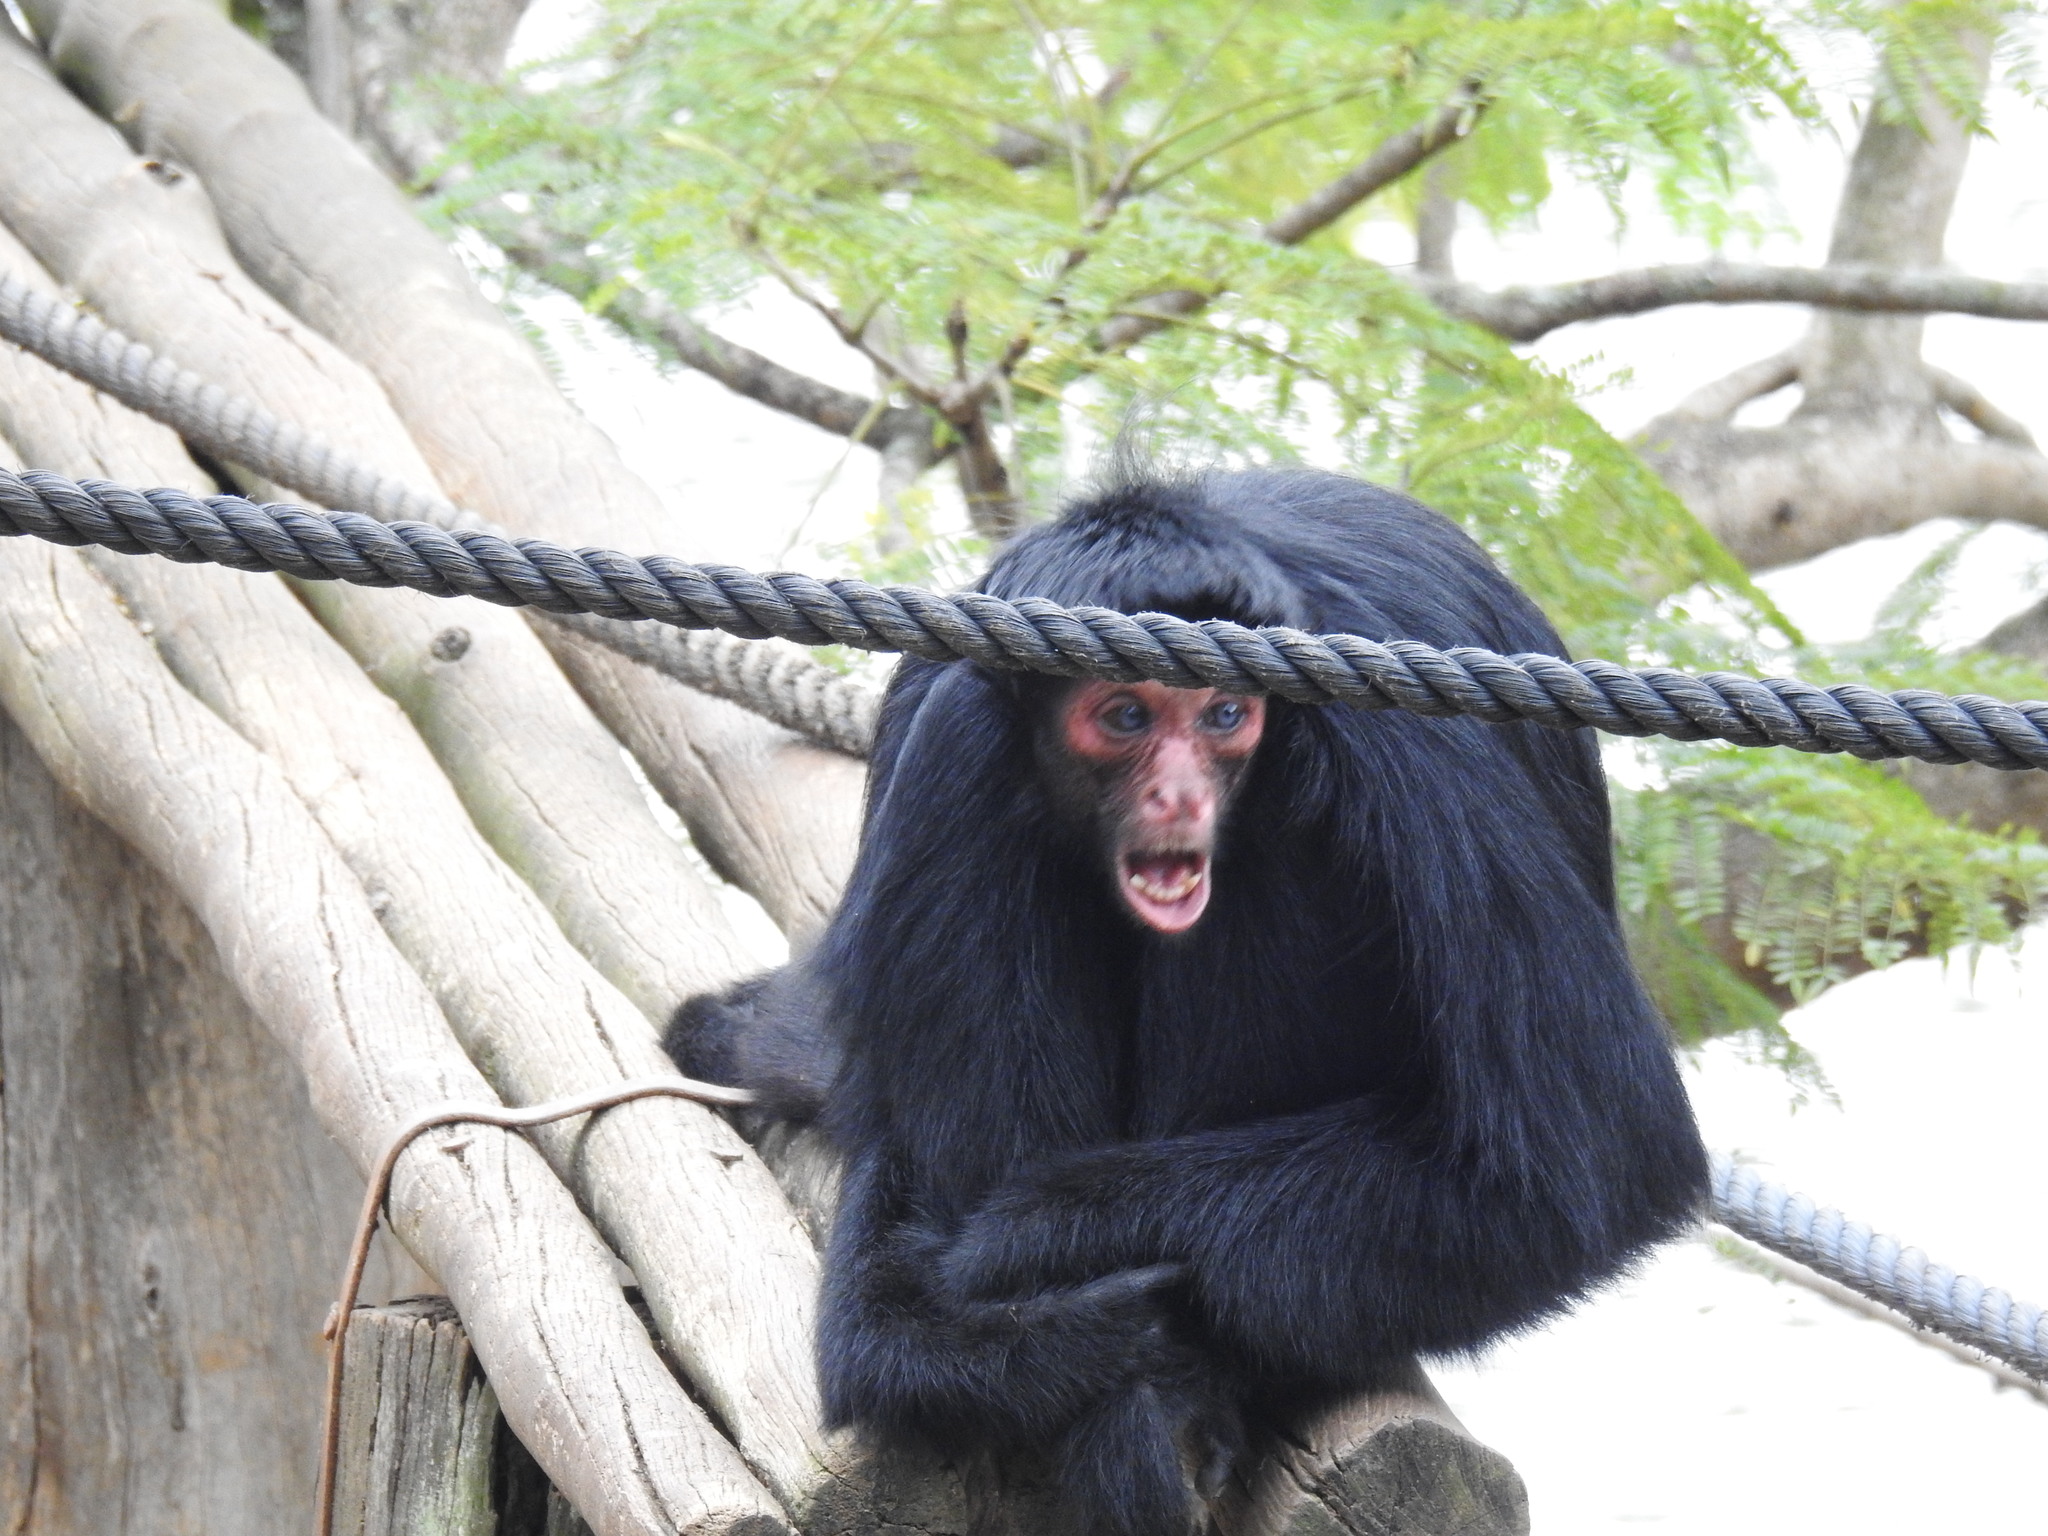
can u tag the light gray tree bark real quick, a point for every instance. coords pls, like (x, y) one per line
(1870, 449)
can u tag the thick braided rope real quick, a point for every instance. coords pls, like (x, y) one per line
(1880, 1267)
(772, 679)
(228, 426)
(1031, 634)
(783, 684)
(790, 690)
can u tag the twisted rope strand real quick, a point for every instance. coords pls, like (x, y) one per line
(1030, 634)
(780, 683)
(602, 586)
(1871, 1264)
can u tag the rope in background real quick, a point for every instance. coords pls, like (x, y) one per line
(1033, 635)
(437, 547)
(780, 682)
(1884, 1269)
(1030, 634)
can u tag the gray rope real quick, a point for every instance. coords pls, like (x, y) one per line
(784, 685)
(1031, 634)
(227, 426)
(1881, 1268)
(772, 679)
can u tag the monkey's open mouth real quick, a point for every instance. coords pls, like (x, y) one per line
(1168, 891)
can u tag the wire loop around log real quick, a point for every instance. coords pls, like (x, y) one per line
(433, 1118)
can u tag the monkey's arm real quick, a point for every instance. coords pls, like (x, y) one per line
(765, 1033)
(894, 1353)
(1318, 1243)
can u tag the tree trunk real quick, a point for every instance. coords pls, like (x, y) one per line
(1869, 450)
(172, 1220)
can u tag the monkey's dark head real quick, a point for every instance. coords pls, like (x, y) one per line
(1146, 774)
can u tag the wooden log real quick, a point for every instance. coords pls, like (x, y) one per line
(1397, 1463)
(312, 220)
(731, 1275)
(417, 1441)
(296, 931)
(143, 246)
(423, 1445)
(172, 1217)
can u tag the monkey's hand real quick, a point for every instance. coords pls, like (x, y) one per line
(895, 1350)
(1162, 1432)
(1049, 1230)
(1071, 1346)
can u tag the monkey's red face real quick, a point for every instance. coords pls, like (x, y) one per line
(1164, 764)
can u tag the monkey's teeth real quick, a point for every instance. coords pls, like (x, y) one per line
(1179, 888)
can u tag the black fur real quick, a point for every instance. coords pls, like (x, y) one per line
(1113, 1194)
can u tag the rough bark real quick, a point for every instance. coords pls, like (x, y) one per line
(422, 1446)
(156, 1377)
(371, 65)
(148, 254)
(1395, 1464)
(730, 1274)
(299, 937)
(312, 220)
(1868, 450)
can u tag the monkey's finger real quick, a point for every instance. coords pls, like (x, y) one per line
(1131, 1283)
(1105, 1296)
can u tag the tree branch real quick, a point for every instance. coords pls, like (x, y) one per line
(1394, 159)
(1725, 396)
(559, 260)
(297, 932)
(1969, 402)
(1524, 314)
(1380, 169)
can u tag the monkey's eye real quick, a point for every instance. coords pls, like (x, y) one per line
(1125, 717)
(1224, 715)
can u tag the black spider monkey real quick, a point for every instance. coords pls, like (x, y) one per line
(1196, 1059)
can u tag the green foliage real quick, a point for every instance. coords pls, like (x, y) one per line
(983, 190)
(1816, 867)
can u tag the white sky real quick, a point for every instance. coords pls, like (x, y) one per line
(1696, 1398)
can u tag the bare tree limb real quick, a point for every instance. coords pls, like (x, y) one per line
(297, 933)
(1725, 396)
(1381, 169)
(1394, 159)
(557, 259)
(313, 221)
(146, 251)
(1866, 451)
(1436, 225)
(659, 1177)
(1969, 402)
(1779, 495)
(1524, 314)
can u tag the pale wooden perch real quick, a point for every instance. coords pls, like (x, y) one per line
(311, 219)
(297, 932)
(730, 1274)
